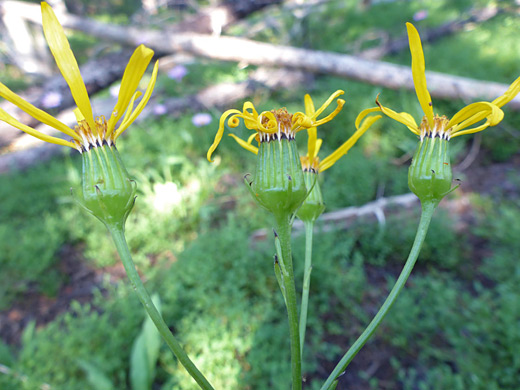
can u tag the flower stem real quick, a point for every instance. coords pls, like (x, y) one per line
(117, 232)
(283, 229)
(426, 216)
(309, 227)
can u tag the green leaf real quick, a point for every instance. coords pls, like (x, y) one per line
(145, 352)
(95, 376)
(140, 374)
(152, 338)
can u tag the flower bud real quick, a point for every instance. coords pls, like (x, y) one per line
(313, 205)
(108, 193)
(278, 185)
(430, 175)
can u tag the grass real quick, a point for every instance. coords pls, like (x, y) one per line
(454, 327)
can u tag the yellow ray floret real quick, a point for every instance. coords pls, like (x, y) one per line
(5, 117)
(269, 125)
(418, 72)
(246, 145)
(90, 131)
(461, 123)
(66, 61)
(330, 160)
(312, 132)
(311, 160)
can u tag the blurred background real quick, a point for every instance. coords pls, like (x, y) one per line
(68, 318)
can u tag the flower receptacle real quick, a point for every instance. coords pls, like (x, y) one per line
(430, 175)
(108, 192)
(278, 185)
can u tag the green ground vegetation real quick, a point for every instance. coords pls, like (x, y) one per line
(455, 325)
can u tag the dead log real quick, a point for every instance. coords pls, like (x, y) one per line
(383, 74)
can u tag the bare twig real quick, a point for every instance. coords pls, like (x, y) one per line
(341, 219)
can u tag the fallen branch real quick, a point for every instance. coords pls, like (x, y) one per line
(344, 218)
(257, 53)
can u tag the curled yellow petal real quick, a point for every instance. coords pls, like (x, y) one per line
(253, 121)
(5, 117)
(474, 113)
(330, 160)
(251, 138)
(327, 103)
(233, 122)
(329, 117)
(66, 62)
(301, 121)
(509, 95)
(36, 113)
(272, 123)
(418, 72)
(249, 109)
(147, 94)
(402, 117)
(244, 144)
(134, 72)
(472, 130)
(364, 113)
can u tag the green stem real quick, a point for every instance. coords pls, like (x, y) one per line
(426, 216)
(283, 229)
(118, 236)
(309, 227)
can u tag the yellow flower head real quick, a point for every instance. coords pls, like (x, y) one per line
(433, 125)
(311, 161)
(272, 125)
(90, 131)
